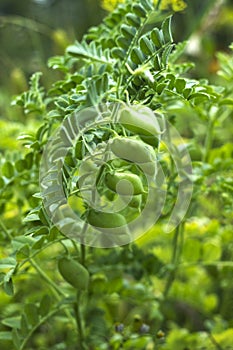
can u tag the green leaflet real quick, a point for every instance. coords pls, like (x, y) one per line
(166, 29)
(91, 52)
(128, 31)
(146, 46)
(139, 10)
(137, 56)
(157, 37)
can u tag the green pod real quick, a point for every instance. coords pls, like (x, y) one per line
(151, 140)
(100, 219)
(149, 168)
(117, 163)
(140, 120)
(124, 183)
(73, 273)
(133, 150)
(135, 202)
(109, 195)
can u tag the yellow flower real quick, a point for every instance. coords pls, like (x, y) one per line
(176, 5)
(110, 5)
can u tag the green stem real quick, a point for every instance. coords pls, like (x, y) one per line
(47, 279)
(79, 321)
(75, 246)
(221, 264)
(5, 230)
(178, 235)
(26, 23)
(158, 5)
(54, 288)
(83, 254)
(177, 249)
(39, 251)
(208, 140)
(122, 67)
(214, 342)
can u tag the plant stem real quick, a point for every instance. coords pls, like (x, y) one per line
(208, 139)
(83, 254)
(54, 288)
(47, 279)
(214, 342)
(132, 44)
(175, 258)
(177, 250)
(5, 230)
(79, 321)
(26, 23)
(158, 4)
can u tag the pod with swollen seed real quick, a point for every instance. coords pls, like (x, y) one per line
(100, 219)
(124, 183)
(74, 273)
(140, 120)
(133, 150)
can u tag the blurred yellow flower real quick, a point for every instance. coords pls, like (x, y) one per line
(176, 5)
(110, 5)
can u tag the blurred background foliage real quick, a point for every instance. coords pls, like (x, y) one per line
(31, 31)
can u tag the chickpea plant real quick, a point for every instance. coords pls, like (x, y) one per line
(87, 278)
